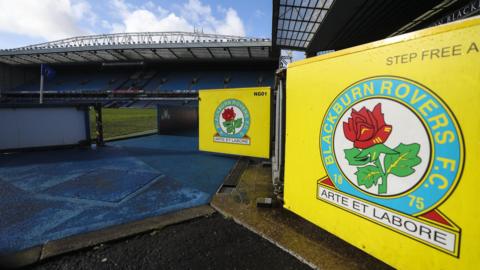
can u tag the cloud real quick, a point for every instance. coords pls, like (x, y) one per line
(201, 16)
(186, 17)
(232, 25)
(46, 19)
(142, 20)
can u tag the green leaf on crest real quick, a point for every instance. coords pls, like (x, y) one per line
(402, 163)
(368, 176)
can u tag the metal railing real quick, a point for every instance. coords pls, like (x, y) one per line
(137, 38)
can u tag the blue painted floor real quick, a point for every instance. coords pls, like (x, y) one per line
(50, 195)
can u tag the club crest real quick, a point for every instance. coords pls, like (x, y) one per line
(232, 121)
(394, 146)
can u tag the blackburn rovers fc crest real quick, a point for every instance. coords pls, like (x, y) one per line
(393, 153)
(232, 121)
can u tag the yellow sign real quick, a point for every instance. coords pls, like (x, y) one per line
(235, 121)
(382, 146)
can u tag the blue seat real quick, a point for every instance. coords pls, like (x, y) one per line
(150, 80)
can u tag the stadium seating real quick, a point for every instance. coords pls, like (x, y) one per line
(137, 81)
(30, 86)
(208, 80)
(177, 82)
(150, 80)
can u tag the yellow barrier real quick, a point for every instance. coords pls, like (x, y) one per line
(235, 121)
(383, 146)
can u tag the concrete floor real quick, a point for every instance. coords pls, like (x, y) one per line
(209, 242)
(307, 242)
(50, 195)
(80, 197)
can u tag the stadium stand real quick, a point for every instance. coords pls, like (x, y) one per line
(76, 81)
(149, 81)
(175, 62)
(118, 69)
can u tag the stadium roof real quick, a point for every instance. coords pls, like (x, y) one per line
(134, 47)
(320, 25)
(295, 22)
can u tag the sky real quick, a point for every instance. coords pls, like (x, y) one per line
(27, 22)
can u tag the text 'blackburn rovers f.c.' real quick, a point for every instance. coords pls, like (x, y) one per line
(393, 153)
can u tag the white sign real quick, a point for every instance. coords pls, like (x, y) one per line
(414, 228)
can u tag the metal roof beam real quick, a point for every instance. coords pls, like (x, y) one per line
(44, 58)
(190, 51)
(11, 60)
(154, 51)
(217, 44)
(139, 54)
(94, 54)
(30, 59)
(80, 56)
(141, 38)
(123, 56)
(113, 55)
(64, 55)
(170, 50)
(229, 52)
(211, 54)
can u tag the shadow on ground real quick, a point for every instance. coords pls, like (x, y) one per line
(205, 243)
(301, 238)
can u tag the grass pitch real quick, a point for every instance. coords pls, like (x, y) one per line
(124, 121)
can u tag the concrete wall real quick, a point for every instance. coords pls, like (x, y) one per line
(42, 126)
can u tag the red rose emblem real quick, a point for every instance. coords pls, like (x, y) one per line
(228, 114)
(366, 128)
